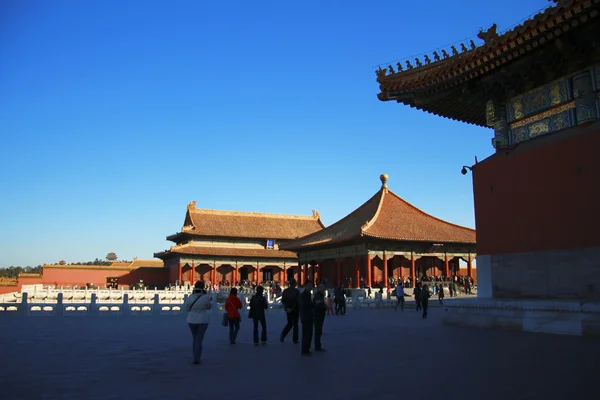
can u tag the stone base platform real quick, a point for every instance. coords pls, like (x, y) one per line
(541, 316)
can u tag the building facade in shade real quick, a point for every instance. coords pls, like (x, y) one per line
(231, 246)
(537, 86)
(385, 238)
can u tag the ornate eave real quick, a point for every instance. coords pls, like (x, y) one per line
(559, 41)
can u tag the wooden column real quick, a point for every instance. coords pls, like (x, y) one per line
(258, 278)
(369, 272)
(385, 271)
(283, 277)
(193, 275)
(179, 273)
(446, 266)
(413, 269)
(357, 266)
(339, 271)
(213, 273)
(469, 266)
(236, 275)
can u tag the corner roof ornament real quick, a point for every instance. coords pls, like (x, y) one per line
(489, 35)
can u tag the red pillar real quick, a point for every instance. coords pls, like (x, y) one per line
(236, 274)
(258, 280)
(339, 271)
(385, 271)
(413, 269)
(213, 273)
(283, 277)
(179, 273)
(193, 273)
(469, 266)
(369, 282)
(357, 266)
(446, 266)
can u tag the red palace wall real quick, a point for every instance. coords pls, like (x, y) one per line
(544, 195)
(69, 276)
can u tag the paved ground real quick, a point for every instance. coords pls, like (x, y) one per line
(373, 352)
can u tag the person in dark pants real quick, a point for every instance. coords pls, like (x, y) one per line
(291, 305)
(417, 293)
(258, 305)
(425, 300)
(233, 305)
(320, 311)
(307, 317)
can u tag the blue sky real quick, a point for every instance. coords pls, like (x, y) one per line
(114, 115)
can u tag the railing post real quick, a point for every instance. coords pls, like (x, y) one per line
(24, 306)
(93, 304)
(125, 306)
(156, 306)
(59, 305)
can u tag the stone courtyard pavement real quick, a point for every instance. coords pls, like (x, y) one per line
(372, 353)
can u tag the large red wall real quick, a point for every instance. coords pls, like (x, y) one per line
(544, 195)
(69, 276)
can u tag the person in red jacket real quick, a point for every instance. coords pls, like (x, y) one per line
(233, 305)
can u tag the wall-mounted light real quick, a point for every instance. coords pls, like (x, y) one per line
(465, 168)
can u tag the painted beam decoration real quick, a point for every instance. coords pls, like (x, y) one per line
(559, 105)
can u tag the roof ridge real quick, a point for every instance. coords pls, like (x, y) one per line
(490, 38)
(429, 215)
(370, 223)
(315, 216)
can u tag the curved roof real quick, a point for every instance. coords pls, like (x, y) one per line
(386, 216)
(418, 86)
(239, 224)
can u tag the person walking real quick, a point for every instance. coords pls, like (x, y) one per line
(425, 300)
(197, 306)
(329, 305)
(233, 305)
(417, 293)
(320, 311)
(291, 305)
(258, 305)
(399, 298)
(307, 317)
(441, 293)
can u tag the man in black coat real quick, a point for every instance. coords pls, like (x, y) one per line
(320, 311)
(291, 305)
(307, 316)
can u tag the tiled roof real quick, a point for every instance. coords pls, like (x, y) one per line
(249, 225)
(386, 216)
(227, 252)
(445, 73)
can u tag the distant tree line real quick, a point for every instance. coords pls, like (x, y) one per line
(13, 272)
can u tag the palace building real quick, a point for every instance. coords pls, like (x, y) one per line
(536, 198)
(231, 246)
(385, 238)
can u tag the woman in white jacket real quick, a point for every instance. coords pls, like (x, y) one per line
(197, 305)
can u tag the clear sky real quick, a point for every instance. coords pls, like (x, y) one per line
(114, 115)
